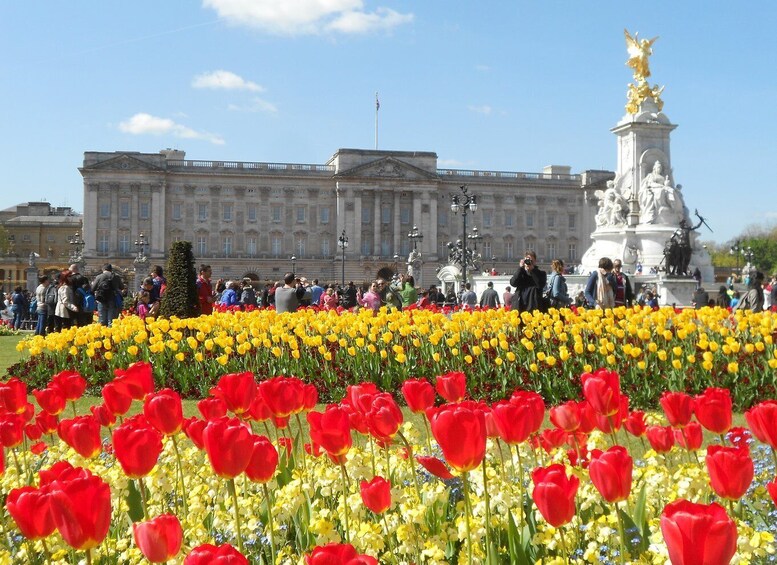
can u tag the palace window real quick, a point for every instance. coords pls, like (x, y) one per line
(572, 221)
(103, 243)
(509, 250)
(105, 209)
(488, 218)
(509, 219)
(202, 211)
(366, 247)
(124, 209)
(252, 212)
(124, 243)
(551, 248)
(251, 246)
(227, 212)
(324, 214)
(385, 248)
(227, 245)
(551, 220)
(177, 211)
(202, 245)
(276, 214)
(366, 215)
(276, 245)
(325, 247)
(144, 212)
(442, 216)
(572, 252)
(487, 254)
(385, 215)
(404, 215)
(300, 214)
(529, 219)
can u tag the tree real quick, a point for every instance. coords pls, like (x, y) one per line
(180, 298)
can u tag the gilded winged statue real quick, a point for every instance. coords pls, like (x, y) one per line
(639, 51)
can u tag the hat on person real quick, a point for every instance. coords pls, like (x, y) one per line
(107, 267)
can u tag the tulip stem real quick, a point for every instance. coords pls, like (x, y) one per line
(302, 451)
(467, 512)
(345, 502)
(428, 435)
(233, 491)
(143, 498)
(622, 534)
(488, 509)
(180, 473)
(388, 461)
(372, 455)
(46, 550)
(16, 463)
(564, 549)
(73, 405)
(520, 479)
(88, 552)
(411, 461)
(269, 520)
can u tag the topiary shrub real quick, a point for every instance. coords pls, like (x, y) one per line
(180, 298)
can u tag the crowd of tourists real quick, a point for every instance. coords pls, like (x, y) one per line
(67, 298)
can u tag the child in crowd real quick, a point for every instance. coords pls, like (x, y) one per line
(143, 309)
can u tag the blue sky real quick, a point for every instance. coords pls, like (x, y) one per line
(486, 85)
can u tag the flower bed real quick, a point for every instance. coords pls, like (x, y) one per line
(652, 350)
(468, 482)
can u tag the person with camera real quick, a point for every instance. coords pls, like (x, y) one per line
(529, 282)
(289, 296)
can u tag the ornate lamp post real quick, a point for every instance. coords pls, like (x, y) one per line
(735, 249)
(396, 262)
(293, 265)
(140, 245)
(464, 203)
(493, 263)
(342, 243)
(76, 245)
(748, 254)
(415, 236)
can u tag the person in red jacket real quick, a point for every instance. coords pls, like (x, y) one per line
(205, 292)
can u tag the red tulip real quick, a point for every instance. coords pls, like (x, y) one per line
(285, 445)
(602, 390)
(376, 494)
(62, 471)
(81, 509)
(419, 395)
(566, 416)
(229, 445)
(137, 379)
(772, 488)
(512, 421)
(384, 417)
(587, 417)
(461, 433)
(259, 411)
(435, 467)
(678, 408)
(713, 410)
(159, 539)
(212, 408)
(283, 395)
(31, 510)
(33, 432)
(635, 423)
(101, 413)
(193, 429)
(50, 399)
(164, 411)
(71, 383)
(264, 460)
(611, 473)
(116, 397)
(536, 406)
(552, 438)
(731, 470)
(11, 430)
(452, 386)
(354, 393)
(237, 390)
(698, 534)
(331, 430)
(690, 437)
(208, 554)
(762, 419)
(47, 422)
(554, 494)
(35, 448)
(338, 554)
(13, 395)
(309, 397)
(82, 433)
(137, 446)
(661, 438)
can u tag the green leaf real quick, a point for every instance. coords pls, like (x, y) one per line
(134, 503)
(639, 508)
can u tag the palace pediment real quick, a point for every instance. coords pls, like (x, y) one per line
(388, 168)
(123, 163)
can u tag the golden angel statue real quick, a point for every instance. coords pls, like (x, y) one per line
(639, 51)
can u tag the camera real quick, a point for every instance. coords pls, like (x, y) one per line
(527, 261)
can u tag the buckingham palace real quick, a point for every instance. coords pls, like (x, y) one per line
(262, 219)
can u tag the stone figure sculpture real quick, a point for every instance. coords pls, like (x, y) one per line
(659, 201)
(678, 251)
(612, 207)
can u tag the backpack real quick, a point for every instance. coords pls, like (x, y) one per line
(103, 292)
(88, 303)
(51, 296)
(248, 297)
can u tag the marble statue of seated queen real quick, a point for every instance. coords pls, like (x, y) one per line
(659, 201)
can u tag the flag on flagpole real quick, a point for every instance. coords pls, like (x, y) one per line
(377, 102)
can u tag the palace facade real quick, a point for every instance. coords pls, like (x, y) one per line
(263, 219)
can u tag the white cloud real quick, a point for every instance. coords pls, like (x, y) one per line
(485, 109)
(449, 163)
(256, 105)
(306, 17)
(225, 80)
(146, 124)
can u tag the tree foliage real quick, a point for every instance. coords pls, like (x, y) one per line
(761, 241)
(180, 298)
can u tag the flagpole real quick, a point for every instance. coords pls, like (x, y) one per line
(377, 107)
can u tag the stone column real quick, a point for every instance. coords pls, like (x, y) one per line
(430, 241)
(89, 228)
(356, 236)
(157, 236)
(397, 221)
(377, 224)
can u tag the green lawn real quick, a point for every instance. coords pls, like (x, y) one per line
(8, 353)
